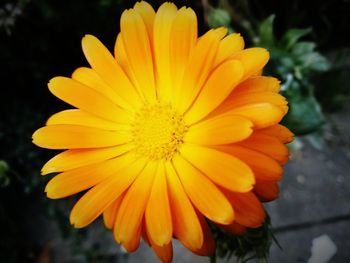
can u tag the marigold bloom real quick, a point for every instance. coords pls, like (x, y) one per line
(171, 132)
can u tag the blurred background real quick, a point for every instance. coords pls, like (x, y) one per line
(310, 53)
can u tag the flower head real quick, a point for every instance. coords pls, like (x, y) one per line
(171, 132)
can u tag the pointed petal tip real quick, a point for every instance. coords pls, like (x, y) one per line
(35, 136)
(88, 40)
(87, 37)
(188, 11)
(74, 220)
(50, 192)
(221, 31)
(250, 185)
(163, 240)
(71, 219)
(47, 170)
(168, 5)
(76, 224)
(228, 218)
(52, 84)
(117, 237)
(262, 50)
(126, 13)
(141, 3)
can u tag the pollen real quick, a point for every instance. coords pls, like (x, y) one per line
(158, 131)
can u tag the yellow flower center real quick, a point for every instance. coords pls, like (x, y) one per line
(158, 131)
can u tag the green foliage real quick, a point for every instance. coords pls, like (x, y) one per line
(304, 115)
(218, 17)
(295, 62)
(266, 32)
(292, 36)
(254, 244)
(333, 86)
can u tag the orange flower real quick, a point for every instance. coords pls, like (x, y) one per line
(172, 131)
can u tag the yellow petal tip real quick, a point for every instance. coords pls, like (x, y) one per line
(228, 218)
(45, 171)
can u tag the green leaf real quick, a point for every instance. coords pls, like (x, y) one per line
(218, 17)
(304, 115)
(314, 61)
(287, 62)
(292, 36)
(302, 48)
(266, 32)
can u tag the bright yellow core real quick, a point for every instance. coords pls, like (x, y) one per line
(158, 131)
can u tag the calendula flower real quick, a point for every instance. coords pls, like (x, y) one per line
(171, 132)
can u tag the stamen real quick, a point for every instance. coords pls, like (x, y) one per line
(158, 131)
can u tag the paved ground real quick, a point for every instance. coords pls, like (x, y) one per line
(314, 201)
(315, 198)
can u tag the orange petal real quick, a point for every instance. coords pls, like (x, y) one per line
(97, 199)
(228, 47)
(122, 59)
(253, 60)
(266, 190)
(264, 167)
(249, 98)
(82, 118)
(198, 68)
(90, 78)
(278, 131)
(138, 50)
(133, 243)
(207, 198)
(235, 229)
(132, 209)
(76, 158)
(208, 247)
(258, 84)
(162, 32)
(74, 136)
(87, 99)
(248, 209)
(108, 69)
(268, 145)
(219, 85)
(164, 253)
(222, 168)
(261, 114)
(157, 214)
(183, 38)
(80, 179)
(187, 228)
(110, 214)
(222, 129)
